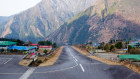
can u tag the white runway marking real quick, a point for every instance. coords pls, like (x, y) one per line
(8, 60)
(76, 59)
(82, 68)
(27, 73)
(73, 56)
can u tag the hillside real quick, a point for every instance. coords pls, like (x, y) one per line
(3, 19)
(107, 19)
(38, 22)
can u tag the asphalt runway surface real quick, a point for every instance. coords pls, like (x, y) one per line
(70, 65)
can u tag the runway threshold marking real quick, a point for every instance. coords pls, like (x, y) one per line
(82, 68)
(8, 61)
(27, 73)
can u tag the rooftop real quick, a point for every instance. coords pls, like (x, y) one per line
(7, 43)
(21, 47)
(45, 46)
(33, 44)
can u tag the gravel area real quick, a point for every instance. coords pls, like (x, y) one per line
(107, 56)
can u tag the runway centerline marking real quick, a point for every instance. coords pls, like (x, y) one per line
(76, 59)
(73, 56)
(82, 68)
(27, 73)
(8, 60)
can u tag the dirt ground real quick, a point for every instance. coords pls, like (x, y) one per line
(52, 58)
(95, 57)
(109, 62)
(25, 62)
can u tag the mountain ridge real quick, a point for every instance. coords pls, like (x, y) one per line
(38, 22)
(108, 19)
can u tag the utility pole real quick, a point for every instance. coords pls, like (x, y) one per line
(127, 49)
(127, 46)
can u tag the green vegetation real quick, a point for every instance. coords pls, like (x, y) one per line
(112, 48)
(129, 48)
(19, 42)
(54, 45)
(48, 43)
(45, 51)
(36, 49)
(89, 47)
(119, 45)
(134, 50)
(107, 47)
(2, 50)
(11, 50)
(15, 50)
(89, 43)
(45, 42)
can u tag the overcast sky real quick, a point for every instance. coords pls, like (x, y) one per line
(11, 7)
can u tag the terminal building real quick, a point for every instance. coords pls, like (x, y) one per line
(29, 49)
(4, 45)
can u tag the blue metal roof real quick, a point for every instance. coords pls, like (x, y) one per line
(96, 45)
(21, 48)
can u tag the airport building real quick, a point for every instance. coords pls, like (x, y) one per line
(4, 45)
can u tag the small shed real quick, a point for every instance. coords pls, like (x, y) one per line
(45, 47)
(34, 45)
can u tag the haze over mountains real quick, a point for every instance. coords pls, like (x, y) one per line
(105, 20)
(38, 22)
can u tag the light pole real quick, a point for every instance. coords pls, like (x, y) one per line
(127, 46)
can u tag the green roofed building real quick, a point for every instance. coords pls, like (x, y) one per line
(5, 44)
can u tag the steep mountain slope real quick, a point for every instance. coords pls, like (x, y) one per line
(107, 19)
(4, 19)
(38, 22)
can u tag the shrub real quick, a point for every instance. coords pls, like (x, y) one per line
(90, 43)
(39, 61)
(134, 51)
(15, 50)
(11, 50)
(45, 51)
(129, 48)
(54, 45)
(107, 47)
(112, 48)
(99, 47)
(119, 45)
(36, 49)
(2, 50)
